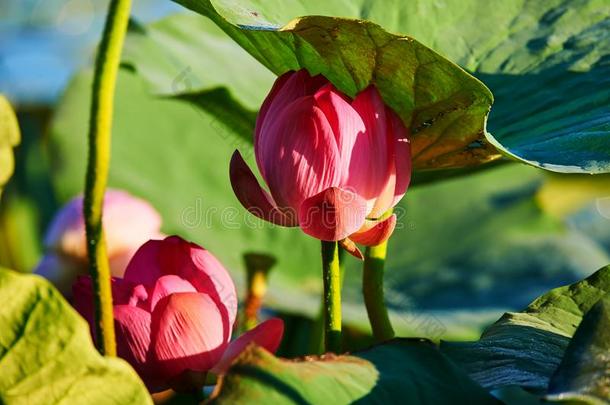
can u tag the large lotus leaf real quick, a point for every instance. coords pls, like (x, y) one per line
(185, 54)
(400, 371)
(546, 63)
(47, 355)
(9, 137)
(162, 54)
(525, 348)
(444, 107)
(584, 372)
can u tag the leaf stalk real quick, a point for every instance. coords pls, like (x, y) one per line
(372, 289)
(100, 126)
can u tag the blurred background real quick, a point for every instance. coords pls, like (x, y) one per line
(470, 244)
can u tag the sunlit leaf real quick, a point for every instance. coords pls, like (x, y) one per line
(444, 107)
(47, 355)
(546, 62)
(525, 348)
(400, 371)
(9, 138)
(584, 372)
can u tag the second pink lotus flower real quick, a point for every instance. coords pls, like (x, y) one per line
(174, 312)
(333, 165)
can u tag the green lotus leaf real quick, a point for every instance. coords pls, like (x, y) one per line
(47, 355)
(9, 138)
(525, 348)
(399, 371)
(545, 62)
(583, 376)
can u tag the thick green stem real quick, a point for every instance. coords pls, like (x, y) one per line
(316, 339)
(100, 124)
(331, 272)
(372, 288)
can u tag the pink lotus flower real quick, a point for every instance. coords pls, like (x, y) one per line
(128, 223)
(174, 313)
(333, 165)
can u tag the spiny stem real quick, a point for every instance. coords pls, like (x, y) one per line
(372, 289)
(316, 338)
(100, 125)
(331, 272)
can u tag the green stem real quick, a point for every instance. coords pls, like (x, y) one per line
(372, 288)
(331, 272)
(316, 338)
(100, 124)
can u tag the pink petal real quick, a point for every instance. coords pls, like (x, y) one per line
(346, 123)
(350, 247)
(138, 297)
(167, 285)
(262, 114)
(66, 234)
(187, 334)
(400, 166)
(371, 158)
(277, 87)
(402, 156)
(128, 223)
(286, 89)
(332, 215)
(213, 279)
(303, 158)
(133, 337)
(123, 293)
(120, 261)
(385, 199)
(267, 335)
(375, 232)
(400, 172)
(144, 267)
(197, 265)
(250, 194)
(132, 326)
(82, 300)
(175, 256)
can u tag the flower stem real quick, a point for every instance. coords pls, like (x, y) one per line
(331, 272)
(372, 289)
(316, 338)
(100, 124)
